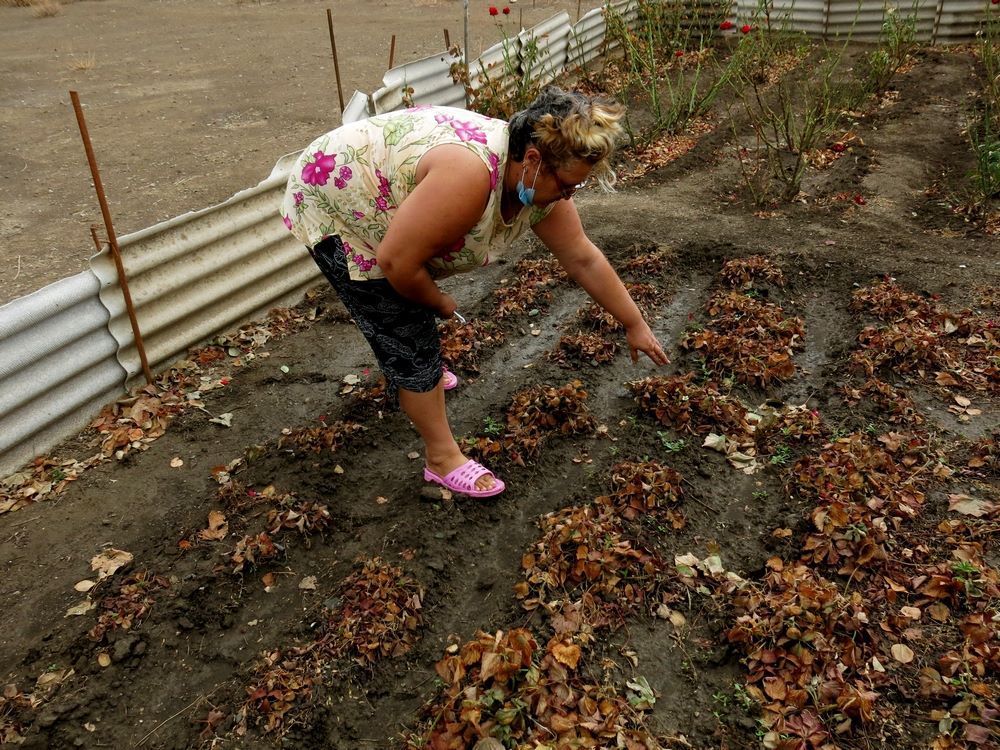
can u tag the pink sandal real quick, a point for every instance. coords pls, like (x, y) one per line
(463, 480)
(449, 379)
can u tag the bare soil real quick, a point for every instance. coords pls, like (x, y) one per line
(199, 642)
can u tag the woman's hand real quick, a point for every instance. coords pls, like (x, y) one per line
(447, 306)
(641, 339)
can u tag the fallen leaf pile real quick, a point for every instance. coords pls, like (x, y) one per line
(919, 338)
(644, 488)
(128, 605)
(505, 686)
(596, 318)
(378, 614)
(304, 516)
(894, 405)
(744, 273)
(254, 550)
(462, 346)
(585, 549)
(743, 436)
(535, 415)
(747, 339)
(318, 439)
(532, 288)
(282, 685)
(41, 478)
(652, 264)
(587, 348)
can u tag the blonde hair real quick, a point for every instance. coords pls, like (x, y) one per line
(568, 127)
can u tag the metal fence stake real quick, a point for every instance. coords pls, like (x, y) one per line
(392, 51)
(336, 62)
(112, 239)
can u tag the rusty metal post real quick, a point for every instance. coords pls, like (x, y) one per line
(97, 241)
(112, 239)
(392, 51)
(447, 40)
(465, 52)
(336, 62)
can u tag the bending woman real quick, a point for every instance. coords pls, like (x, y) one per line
(389, 205)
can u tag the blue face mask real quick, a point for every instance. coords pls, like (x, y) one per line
(526, 194)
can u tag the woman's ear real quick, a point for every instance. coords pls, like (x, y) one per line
(532, 154)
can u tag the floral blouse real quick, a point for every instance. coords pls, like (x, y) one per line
(350, 181)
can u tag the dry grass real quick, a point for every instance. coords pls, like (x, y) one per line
(82, 62)
(46, 8)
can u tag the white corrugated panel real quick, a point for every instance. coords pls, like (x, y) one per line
(628, 11)
(428, 81)
(205, 272)
(359, 107)
(801, 15)
(497, 67)
(586, 39)
(57, 367)
(959, 20)
(551, 39)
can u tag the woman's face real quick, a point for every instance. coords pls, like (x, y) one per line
(554, 183)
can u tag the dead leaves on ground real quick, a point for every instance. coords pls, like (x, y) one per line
(464, 345)
(530, 289)
(507, 685)
(535, 415)
(377, 614)
(747, 339)
(920, 339)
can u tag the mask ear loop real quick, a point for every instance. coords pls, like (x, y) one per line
(535, 178)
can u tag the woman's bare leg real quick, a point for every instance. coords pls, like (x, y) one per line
(427, 412)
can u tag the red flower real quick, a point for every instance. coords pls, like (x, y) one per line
(493, 10)
(860, 199)
(726, 25)
(995, 2)
(746, 28)
(679, 53)
(837, 147)
(506, 10)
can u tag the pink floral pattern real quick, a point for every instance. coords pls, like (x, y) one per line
(342, 178)
(317, 172)
(494, 161)
(288, 222)
(467, 131)
(365, 264)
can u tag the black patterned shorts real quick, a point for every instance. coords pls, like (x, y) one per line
(402, 334)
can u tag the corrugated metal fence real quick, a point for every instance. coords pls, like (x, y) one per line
(68, 348)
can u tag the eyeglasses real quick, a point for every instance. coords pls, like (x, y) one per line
(567, 189)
